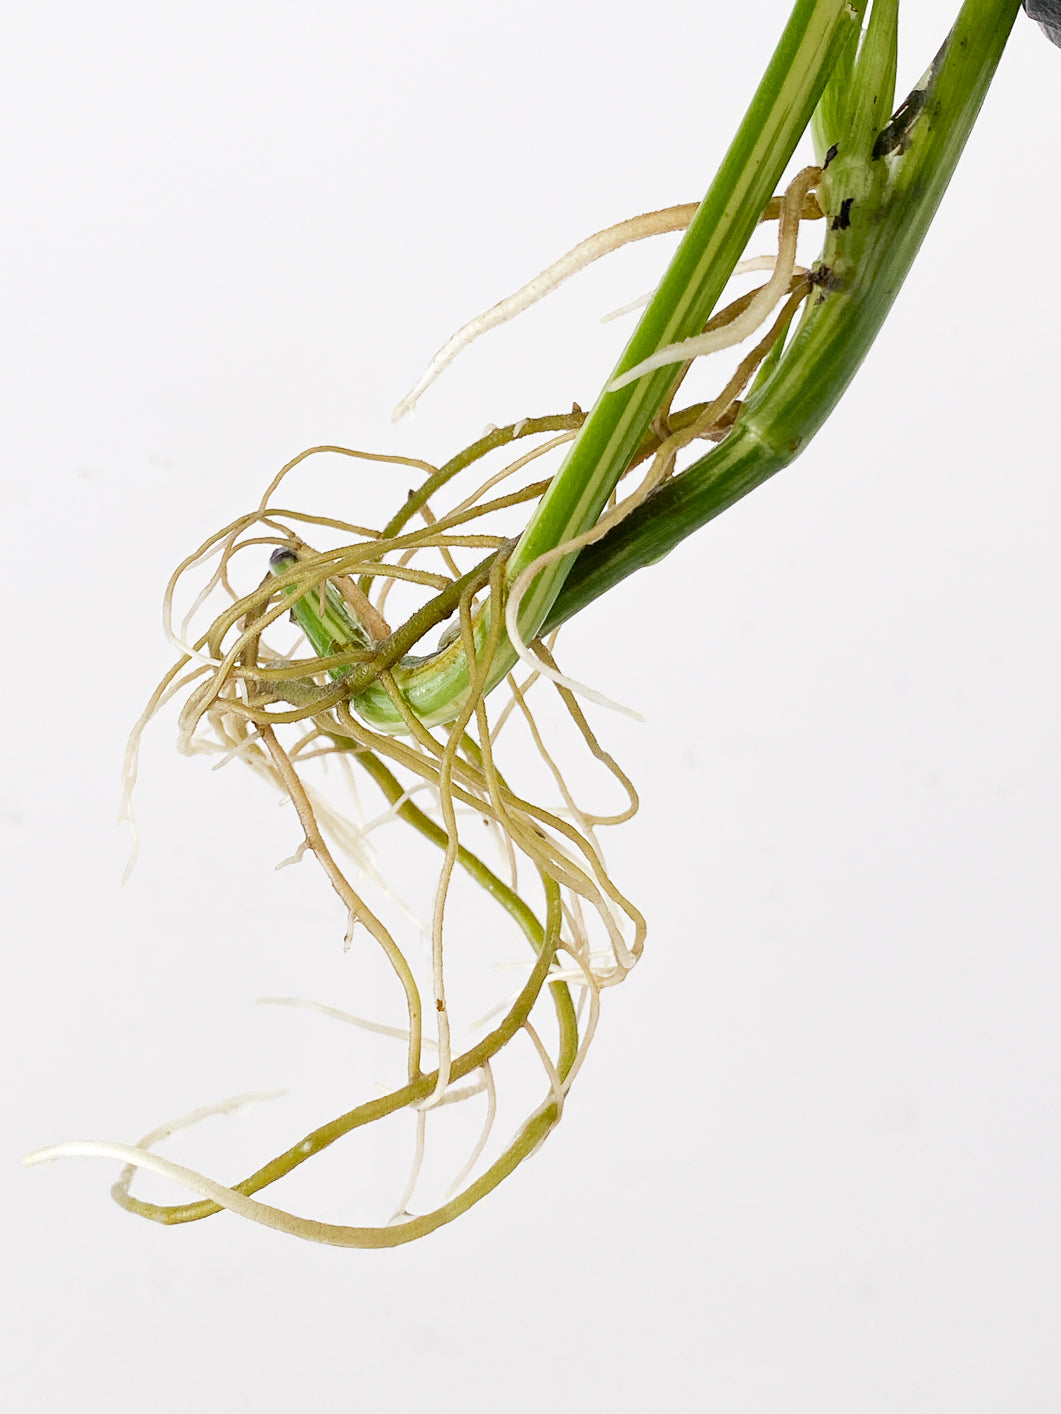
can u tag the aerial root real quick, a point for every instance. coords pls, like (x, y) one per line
(758, 309)
(486, 794)
(218, 1196)
(637, 228)
(612, 238)
(250, 699)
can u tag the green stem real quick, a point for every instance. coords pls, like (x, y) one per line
(817, 32)
(816, 35)
(895, 196)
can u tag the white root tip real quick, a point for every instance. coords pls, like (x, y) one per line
(651, 223)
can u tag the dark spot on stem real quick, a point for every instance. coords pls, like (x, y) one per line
(842, 219)
(830, 155)
(895, 135)
(824, 280)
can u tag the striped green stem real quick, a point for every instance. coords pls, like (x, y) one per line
(882, 191)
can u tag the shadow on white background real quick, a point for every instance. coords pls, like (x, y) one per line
(812, 1162)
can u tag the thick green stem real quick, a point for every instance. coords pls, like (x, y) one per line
(891, 195)
(702, 266)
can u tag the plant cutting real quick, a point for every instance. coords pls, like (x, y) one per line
(419, 644)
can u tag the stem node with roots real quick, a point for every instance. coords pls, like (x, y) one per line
(357, 708)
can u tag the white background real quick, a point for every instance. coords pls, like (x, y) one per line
(812, 1162)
